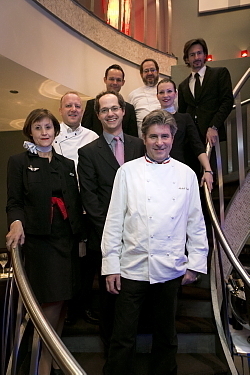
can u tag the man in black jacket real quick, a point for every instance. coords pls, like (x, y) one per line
(114, 80)
(97, 167)
(209, 100)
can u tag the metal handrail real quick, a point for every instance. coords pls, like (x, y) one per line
(221, 236)
(241, 83)
(59, 352)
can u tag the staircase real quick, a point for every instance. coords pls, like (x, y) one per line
(199, 351)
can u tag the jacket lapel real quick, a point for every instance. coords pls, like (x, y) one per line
(105, 153)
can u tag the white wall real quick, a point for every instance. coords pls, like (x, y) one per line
(38, 41)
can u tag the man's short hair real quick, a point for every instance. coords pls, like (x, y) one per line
(155, 62)
(116, 67)
(166, 80)
(38, 115)
(189, 44)
(159, 117)
(121, 101)
(69, 92)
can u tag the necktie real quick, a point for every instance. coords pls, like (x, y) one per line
(197, 86)
(119, 150)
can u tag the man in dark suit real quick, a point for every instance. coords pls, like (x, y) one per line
(114, 80)
(97, 167)
(208, 96)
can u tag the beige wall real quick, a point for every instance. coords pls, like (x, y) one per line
(40, 42)
(226, 33)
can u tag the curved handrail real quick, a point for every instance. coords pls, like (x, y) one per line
(221, 236)
(241, 83)
(59, 352)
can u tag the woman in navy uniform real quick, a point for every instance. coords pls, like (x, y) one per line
(45, 216)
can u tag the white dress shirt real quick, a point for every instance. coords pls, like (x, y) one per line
(69, 141)
(144, 101)
(192, 78)
(154, 214)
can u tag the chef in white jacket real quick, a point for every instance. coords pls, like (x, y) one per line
(154, 240)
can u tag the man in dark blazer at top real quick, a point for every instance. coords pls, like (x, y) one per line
(114, 80)
(208, 98)
(97, 167)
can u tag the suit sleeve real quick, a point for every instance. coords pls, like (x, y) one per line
(225, 98)
(15, 191)
(131, 127)
(88, 189)
(193, 136)
(87, 118)
(182, 105)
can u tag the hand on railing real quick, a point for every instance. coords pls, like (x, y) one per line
(208, 178)
(212, 136)
(15, 236)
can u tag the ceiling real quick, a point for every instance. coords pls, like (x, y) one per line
(34, 91)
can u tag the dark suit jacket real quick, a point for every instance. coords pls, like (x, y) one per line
(97, 168)
(91, 121)
(213, 104)
(29, 192)
(186, 139)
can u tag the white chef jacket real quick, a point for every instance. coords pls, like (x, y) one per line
(144, 101)
(154, 213)
(69, 141)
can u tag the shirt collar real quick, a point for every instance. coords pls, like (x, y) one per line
(69, 130)
(152, 161)
(109, 137)
(201, 72)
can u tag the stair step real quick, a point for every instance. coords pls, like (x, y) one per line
(195, 342)
(195, 308)
(188, 364)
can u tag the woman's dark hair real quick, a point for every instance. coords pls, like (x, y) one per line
(38, 115)
(166, 80)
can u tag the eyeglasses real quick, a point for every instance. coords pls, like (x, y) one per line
(105, 111)
(151, 70)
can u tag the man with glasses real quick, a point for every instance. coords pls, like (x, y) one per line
(144, 98)
(97, 167)
(114, 80)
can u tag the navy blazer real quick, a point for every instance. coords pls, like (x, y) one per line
(29, 192)
(97, 167)
(92, 122)
(214, 103)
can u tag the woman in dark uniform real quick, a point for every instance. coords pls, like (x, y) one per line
(187, 140)
(45, 216)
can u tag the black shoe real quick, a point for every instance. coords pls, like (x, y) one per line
(90, 317)
(70, 321)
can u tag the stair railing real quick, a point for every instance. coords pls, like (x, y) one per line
(43, 329)
(218, 284)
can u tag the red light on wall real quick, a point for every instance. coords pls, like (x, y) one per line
(209, 57)
(244, 53)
